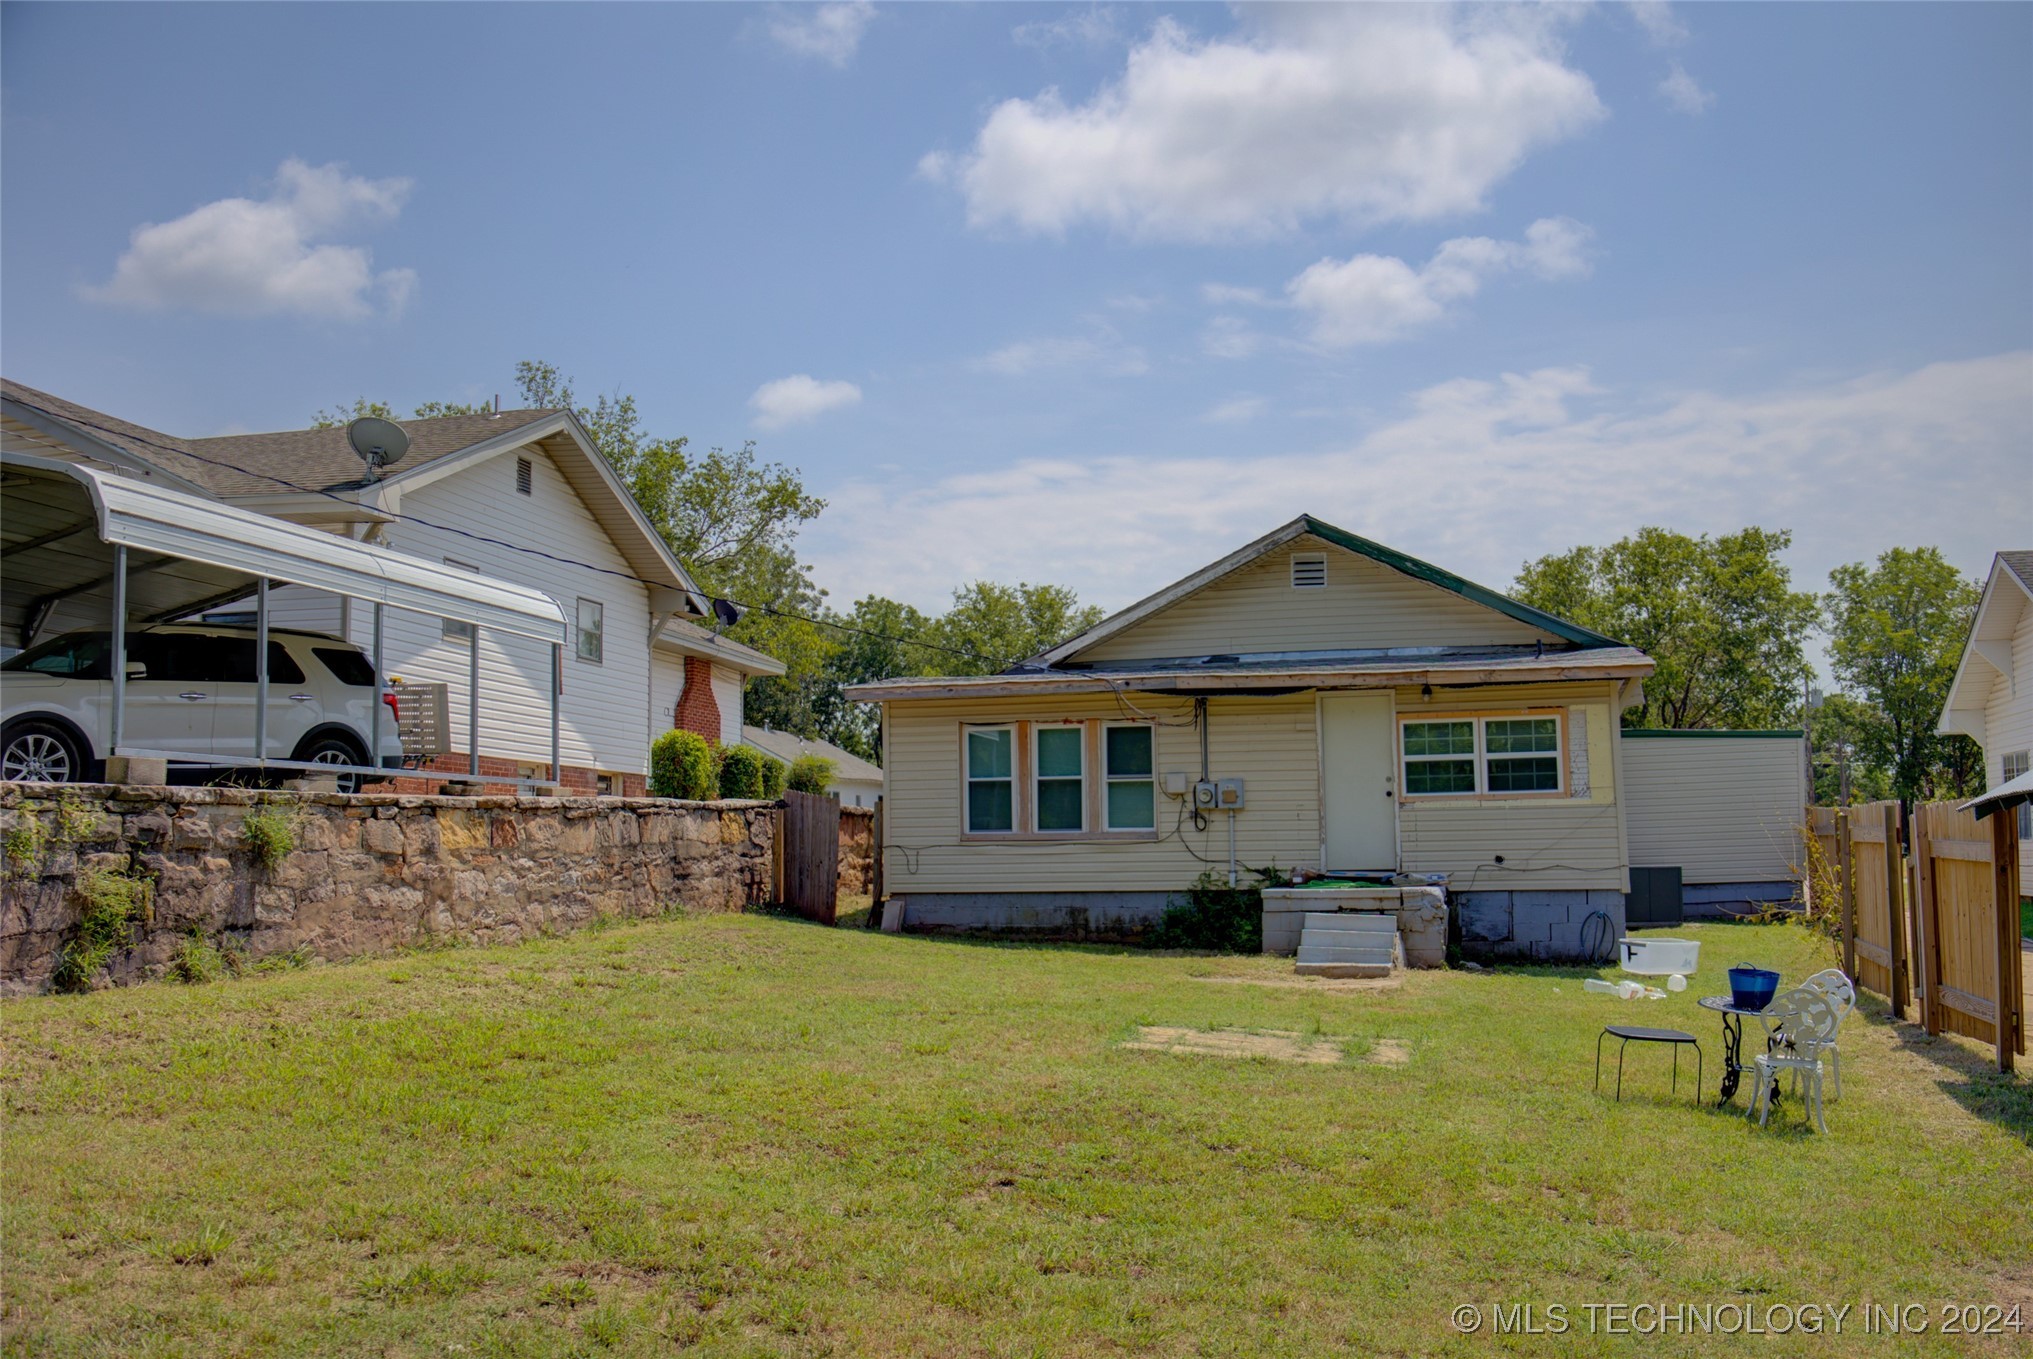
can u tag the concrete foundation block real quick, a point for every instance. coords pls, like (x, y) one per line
(136, 770)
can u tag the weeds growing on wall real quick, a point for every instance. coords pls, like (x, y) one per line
(270, 834)
(113, 901)
(26, 840)
(197, 960)
(1215, 916)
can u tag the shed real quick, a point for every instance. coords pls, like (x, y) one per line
(1723, 807)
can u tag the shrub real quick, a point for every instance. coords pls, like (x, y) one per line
(681, 766)
(774, 774)
(741, 772)
(810, 774)
(113, 901)
(1213, 916)
(270, 835)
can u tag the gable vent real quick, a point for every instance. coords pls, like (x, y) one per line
(522, 475)
(1309, 572)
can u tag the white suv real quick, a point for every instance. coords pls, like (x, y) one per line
(190, 689)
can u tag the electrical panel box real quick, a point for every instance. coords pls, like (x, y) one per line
(1204, 795)
(1228, 795)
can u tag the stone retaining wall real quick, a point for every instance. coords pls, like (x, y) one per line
(857, 851)
(368, 873)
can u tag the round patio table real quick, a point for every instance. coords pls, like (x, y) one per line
(1733, 1065)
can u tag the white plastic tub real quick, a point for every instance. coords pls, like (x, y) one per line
(1661, 957)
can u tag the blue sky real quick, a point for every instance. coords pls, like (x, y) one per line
(1077, 293)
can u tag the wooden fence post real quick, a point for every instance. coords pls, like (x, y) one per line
(1846, 886)
(875, 875)
(2005, 904)
(1895, 914)
(1929, 975)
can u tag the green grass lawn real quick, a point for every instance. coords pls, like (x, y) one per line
(755, 1136)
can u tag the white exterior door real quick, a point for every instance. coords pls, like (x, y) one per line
(1359, 776)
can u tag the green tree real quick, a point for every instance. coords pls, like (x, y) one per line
(1846, 737)
(1896, 633)
(992, 626)
(1718, 616)
(428, 410)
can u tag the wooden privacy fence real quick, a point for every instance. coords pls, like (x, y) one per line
(1943, 927)
(1966, 874)
(811, 856)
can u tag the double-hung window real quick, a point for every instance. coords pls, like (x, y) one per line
(1498, 756)
(2011, 767)
(1060, 753)
(592, 630)
(1131, 796)
(991, 782)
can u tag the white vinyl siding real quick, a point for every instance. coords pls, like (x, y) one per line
(1720, 809)
(293, 606)
(1362, 604)
(603, 723)
(2008, 717)
(727, 697)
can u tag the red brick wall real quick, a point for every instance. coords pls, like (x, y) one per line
(697, 709)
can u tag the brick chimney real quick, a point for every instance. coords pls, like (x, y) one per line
(697, 709)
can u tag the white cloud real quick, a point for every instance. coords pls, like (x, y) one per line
(1684, 93)
(1230, 337)
(1369, 299)
(1235, 411)
(831, 32)
(1101, 350)
(1480, 476)
(1230, 295)
(1360, 113)
(1094, 26)
(263, 257)
(798, 398)
(1662, 26)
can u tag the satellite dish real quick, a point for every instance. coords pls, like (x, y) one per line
(727, 612)
(380, 443)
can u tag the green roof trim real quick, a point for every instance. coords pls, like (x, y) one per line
(1467, 589)
(1708, 734)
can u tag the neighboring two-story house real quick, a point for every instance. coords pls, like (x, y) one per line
(522, 496)
(1991, 700)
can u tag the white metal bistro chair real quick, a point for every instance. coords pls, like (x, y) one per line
(1832, 983)
(1807, 1028)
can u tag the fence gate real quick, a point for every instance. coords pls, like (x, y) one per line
(1970, 963)
(812, 855)
(1855, 852)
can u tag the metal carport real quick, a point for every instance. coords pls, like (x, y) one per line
(84, 546)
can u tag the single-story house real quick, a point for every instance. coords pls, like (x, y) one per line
(1313, 700)
(856, 782)
(520, 496)
(1986, 702)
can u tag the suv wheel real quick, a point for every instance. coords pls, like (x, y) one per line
(39, 752)
(332, 749)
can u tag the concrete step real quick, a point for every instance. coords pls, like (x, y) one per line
(1375, 922)
(1342, 969)
(1334, 934)
(1327, 953)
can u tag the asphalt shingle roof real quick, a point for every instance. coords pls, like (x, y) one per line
(2021, 564)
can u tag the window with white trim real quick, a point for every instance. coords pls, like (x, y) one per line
(991, 780)
(2011, 767)
(592, 630)
(1059, 757)
(1130, 789)
(1501, 756)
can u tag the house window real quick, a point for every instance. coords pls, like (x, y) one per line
(457, 629)
(991, 780)
(1309, 571)
(1132, 790)
(592, 629)
(1060, 754)
(523, 476)
(1439, 758)
(1501, 756)
(2009, 768)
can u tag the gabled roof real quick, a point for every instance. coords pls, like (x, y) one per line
(787, 747)
(1305, 524)
(1987, 652)
(101, 437)
(313, 475)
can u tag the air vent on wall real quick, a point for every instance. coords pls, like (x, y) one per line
(1309, 572)
(522, 475)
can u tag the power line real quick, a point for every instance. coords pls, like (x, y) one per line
(769, 609)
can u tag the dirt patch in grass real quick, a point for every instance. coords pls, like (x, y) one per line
(1278, 1046)
(1390, 1052)
(1330, 985)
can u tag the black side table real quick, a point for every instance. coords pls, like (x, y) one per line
(1626, 1034)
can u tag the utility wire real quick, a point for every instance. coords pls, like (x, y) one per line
(769, 609)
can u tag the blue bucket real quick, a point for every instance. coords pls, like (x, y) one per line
(1751, 988)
